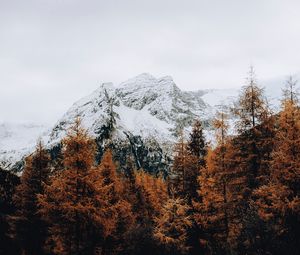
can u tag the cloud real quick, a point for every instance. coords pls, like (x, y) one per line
(55, 51)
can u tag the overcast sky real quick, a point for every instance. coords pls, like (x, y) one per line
(53, 52)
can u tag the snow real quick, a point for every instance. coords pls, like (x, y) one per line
(17, 140)
(141, 122)
(19, 136)
(218, 97)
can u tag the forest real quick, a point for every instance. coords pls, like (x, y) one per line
(240, 195)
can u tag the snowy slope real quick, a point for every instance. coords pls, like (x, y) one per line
(219, 97)
(17, 140)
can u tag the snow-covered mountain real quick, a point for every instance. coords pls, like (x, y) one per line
(143, 106)
(142, 114)
(17, 140)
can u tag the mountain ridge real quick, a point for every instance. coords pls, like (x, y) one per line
(153, 109)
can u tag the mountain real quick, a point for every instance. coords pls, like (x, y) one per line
(143, 106)
(140, 117)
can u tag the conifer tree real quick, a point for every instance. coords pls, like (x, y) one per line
(28, 227)
(139, 238)
(278, 202)
(266, 133)
(252, 151)
(146, 194)
(249, 110)
(184, 171)
(196, 144)
(133, 192)
(154, 191)
(290, 92)
(77, 201)
(8, 184)
(212, 210)
(197, 150)
(172, 225)
(250, 105)
(117, 205)
(177, 175)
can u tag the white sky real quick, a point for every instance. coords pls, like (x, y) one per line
(53, 52)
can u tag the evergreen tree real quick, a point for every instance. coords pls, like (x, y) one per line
(154, 191)
(184, 171)
(197, 150)
(177, 174)
(266, 133)
(151, 194)
(250, 111)
(250, 105)
(196, 144)
(75, 203)
(278, 202)
(172, 225)
(290, 92)
(139, 237)
(134, 193)
(212, 210)
(8, 184)
(252, 151)
(117, 205)
(250, 160)
(29, 229)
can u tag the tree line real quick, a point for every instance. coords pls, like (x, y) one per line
(237, 196)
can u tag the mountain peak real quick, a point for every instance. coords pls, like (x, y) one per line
(144, 79)
(106, 85)
(166, 78)
(145, 76)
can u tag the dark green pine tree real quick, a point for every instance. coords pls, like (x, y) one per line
(197, 151)
(8, 183)
(28, 228)
(196, 145)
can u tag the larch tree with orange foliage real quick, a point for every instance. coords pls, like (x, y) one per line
(29, 229)
(177, 174)
(147, 194)
(117, 206)
(184, 171)
(172, 226)
(278, 203)
(211, 211)
(154, 190)
(133, 192)
(250, 111)
(251, 153)
(76, 202)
